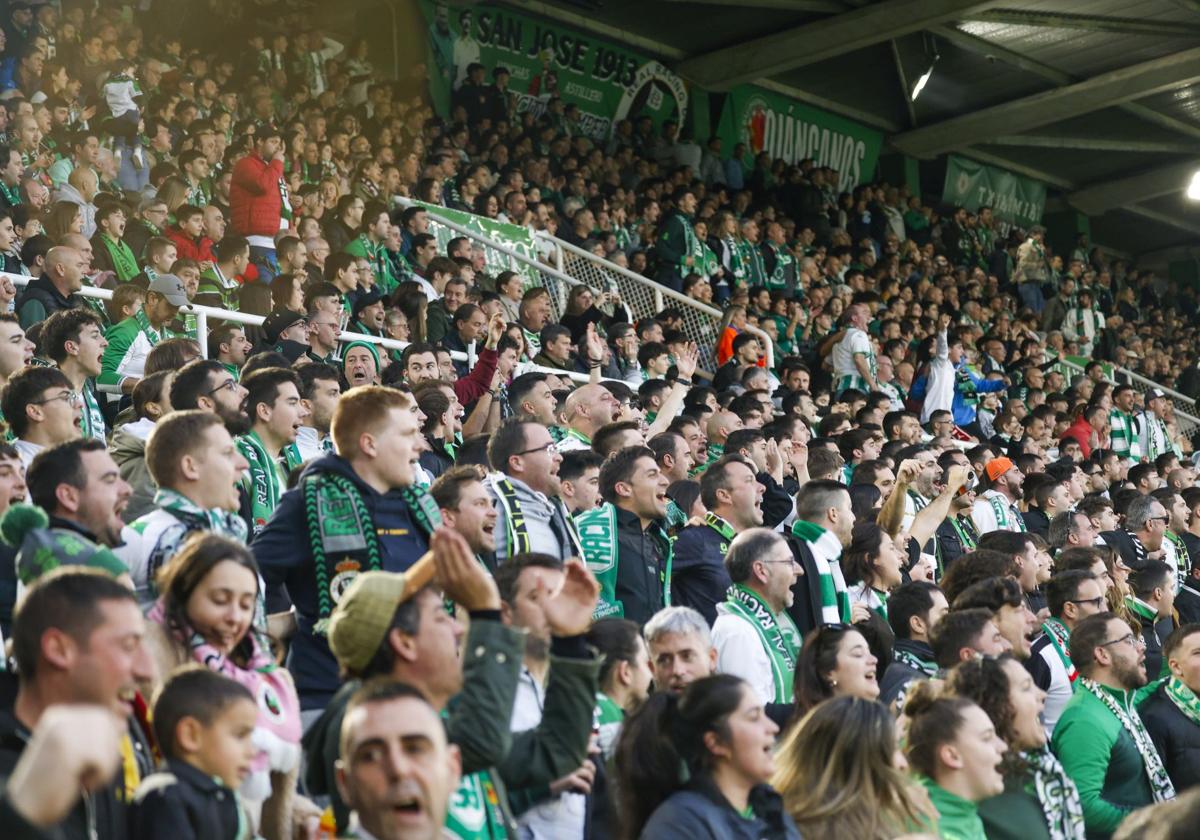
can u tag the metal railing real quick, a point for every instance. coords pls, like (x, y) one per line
(573, 266)
(205, 313)
(1182, 406)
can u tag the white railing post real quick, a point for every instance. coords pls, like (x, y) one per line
(202, 333)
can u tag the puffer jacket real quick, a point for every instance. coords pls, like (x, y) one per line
(255, 203)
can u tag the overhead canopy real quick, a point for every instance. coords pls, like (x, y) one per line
(1100, 99)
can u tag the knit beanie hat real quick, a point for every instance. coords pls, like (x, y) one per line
(367, 344)
(42, 549)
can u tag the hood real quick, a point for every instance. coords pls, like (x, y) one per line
(321, 743)
(126, 446)
(334, 463)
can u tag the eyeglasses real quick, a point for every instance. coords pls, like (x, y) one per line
(1163, 519)
(1098, 601)
(69, 397)
(544, 448)
(227, 385)
(1128, 638)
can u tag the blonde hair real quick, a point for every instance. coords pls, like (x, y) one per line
(361, 410)
(835, 771)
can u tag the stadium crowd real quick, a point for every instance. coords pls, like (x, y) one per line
(921, 577)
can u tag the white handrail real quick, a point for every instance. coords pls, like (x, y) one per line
(204, 313)
(1188, 422)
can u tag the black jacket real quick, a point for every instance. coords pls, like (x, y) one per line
(184, 804)
(1176, 736)
(1187, 602)
(699, 810)
(639, 569)
(898, 675)
(698, 576)
(777, 502)
(806, 591)
(40, 300)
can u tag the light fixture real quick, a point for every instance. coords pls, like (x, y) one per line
(931, 51)
(1193, 190)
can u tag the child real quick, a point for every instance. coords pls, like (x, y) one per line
(204, 724)
(120, 92)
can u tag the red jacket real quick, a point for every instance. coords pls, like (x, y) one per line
(255, 204)
(191, 250)
(1082, 431)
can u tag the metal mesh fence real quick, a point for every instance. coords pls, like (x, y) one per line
(1182, 407)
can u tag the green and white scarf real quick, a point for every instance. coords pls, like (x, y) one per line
(265, 480)
(343, 536)
(152, 335)
(600, 547)
(911, 660)
(1160, 782)
(783, 263)
(192, 518)
(826, 550)
(1057, 795)
(721, 527)
(779, 644)
(124, 262)
(93, 419)
(1184, 699)
(1060, 640)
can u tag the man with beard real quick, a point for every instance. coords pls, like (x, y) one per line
(525, 487)
(196, 466)
(996, 509)
(1100, 739)
(420, 362)
(353, 511)
(206, 384)
(74, 340)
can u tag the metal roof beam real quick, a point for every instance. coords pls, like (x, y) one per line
(1030, 112)
(821, 40)
(1037, 141)
(1164, 218)
(1116, 193)
(1091, 23)
(981, 46)
(824, 7)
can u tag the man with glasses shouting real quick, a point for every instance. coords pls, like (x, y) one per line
(42, 408)
(1100, 739)
(1072, 596)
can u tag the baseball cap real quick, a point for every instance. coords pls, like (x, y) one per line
(1155, 394)
(998, 467)
(362, 618)
(278, 321)
(170, 287)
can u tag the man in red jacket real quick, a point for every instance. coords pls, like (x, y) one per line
(258, 200)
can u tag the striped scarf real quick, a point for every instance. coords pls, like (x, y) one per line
(1124, 435)
(1057, 794)
(1160, 782)
(781, 645)
(826, 550)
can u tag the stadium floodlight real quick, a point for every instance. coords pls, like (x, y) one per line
(931, 51)
(1193, 190)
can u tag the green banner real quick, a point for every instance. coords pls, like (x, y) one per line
(785, 128)
(606, 81)
(514, 237)
(1014, 199)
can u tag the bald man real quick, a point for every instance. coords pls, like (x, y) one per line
(586, 410)
(719, 427)
(55, 289)
(81, 189)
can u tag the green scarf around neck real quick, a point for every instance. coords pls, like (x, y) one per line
(124, 262)
(782, 645)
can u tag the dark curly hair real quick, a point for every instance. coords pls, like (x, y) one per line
(984, 681)
(817, 660)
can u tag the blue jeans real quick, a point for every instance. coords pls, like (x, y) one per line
(264, 260)
(129, 175)
(1031, 295)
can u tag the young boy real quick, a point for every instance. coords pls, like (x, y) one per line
(204, 724)
(161, 254)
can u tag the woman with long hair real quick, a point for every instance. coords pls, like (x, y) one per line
(837, 774)
(698, 765)
(211, 610)
(953, 746)
(835, 660)
(64, 217)
(873, 566)
(1039, 802)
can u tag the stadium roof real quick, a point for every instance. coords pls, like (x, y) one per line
(1099, 99)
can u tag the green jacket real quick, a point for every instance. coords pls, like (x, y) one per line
(1015, 814)
(1102, 759)
(477, 719)
(958, 819)
(437, 321)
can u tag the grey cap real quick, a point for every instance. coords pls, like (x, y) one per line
(170, 287)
